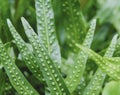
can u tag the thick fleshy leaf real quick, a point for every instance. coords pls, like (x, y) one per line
(110, 66)
(17, 79)
(46, 28)
(96, 82)
(27, 55)
(73, 79)
(48, 67)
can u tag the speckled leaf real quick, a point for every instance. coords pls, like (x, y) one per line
(74, 22)
(48, 67)
(96, 82)
(110, 66)
(27, 55)
(46, 28)
(117, 51)
(17, 79)
(73, 80)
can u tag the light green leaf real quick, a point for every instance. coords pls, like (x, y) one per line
(17, 79)
(46, 28)
(27, 55)
(110, 66)
(73, 79)
(117, 51)
(112, 88)
(95, 84)
(48, 67)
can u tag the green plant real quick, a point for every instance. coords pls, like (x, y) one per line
(42, 53)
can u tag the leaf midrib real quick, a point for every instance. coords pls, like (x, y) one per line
(15, 76)
(51, 73)
(46, 28)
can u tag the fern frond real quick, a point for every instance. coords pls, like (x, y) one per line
(46, 28)
(73, 79)
(109, 65)
(19, 82)
(74, 22)
(48, 67)
(96, 82)
(28, 57)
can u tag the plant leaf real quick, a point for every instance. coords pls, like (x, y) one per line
(117, 50)
(112, 88)
(48, 67)
(74, 22)
(112, 68)
(96, 82)
(73, 80)
(27, 56)
(46, 28)
(17, 79)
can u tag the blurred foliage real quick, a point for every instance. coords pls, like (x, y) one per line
(106, 11)
(112, 88)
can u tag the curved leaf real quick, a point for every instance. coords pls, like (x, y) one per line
(17, 79)
(48, 67)
(110, 68)
(96, 82)
(73, 80)
(27, 56)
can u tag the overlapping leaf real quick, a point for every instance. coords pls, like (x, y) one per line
(96, 82)
(49, 69)
(117, 50)
(110, 66)
(73, 79)
(17, 79)
(46, 28)
(27, 55)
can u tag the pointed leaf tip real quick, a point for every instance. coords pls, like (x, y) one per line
(8, 20)
(9, 23)
(94, 20)
(24, 21)
(28, 29)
